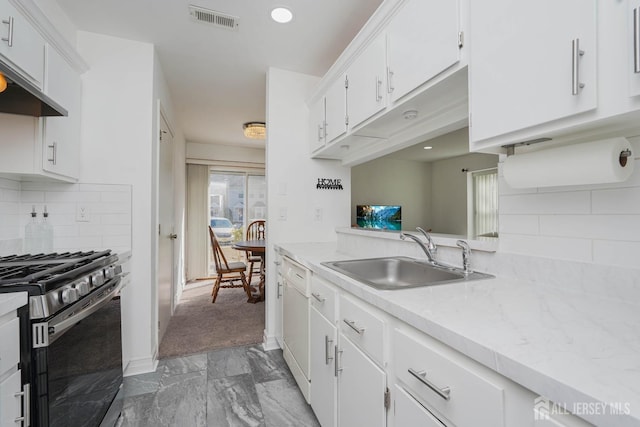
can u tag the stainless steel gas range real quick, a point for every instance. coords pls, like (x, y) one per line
(70, 336)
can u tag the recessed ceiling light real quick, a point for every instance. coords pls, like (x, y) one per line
(281, 15)
(428, 147)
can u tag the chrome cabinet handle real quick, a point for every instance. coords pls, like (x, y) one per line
(320, 132)
(636, 40)
(279, 293)
(378, 85)
(421, 376)
(390, 87)
(324, 131)
(299, 276)
(336, 369)
(352, 325)
(9, 38)
(318, 297)
(576, 53)
(54, 153)
(327, 353)
(25, 419)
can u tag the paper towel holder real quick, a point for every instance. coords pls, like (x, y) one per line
(511, 148)
(624, 155)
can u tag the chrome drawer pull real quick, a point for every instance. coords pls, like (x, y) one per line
(25, 419)
(336, 369)
(636, 40)
(421, 376)
(576, 53)
(9, 38)
(352, 325)
(327, 357)
(318, 297)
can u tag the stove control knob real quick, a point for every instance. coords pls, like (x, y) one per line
(109, 273)
(69, 295)
(97, 279)
(82, 286)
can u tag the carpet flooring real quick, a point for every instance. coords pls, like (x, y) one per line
(199, 326)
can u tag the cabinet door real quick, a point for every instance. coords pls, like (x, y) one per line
(61, 137)
(361, 388)
(422, 41)
(366, 94)
(317, 125)
(634, 47)
(10, 404)
(323, 381)
(336, 110)
(521, 63)
(295, 325)
(409, 413)
(21, 43)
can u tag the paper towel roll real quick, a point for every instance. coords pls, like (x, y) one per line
(595, 162)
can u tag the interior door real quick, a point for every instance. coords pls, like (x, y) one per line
(166, 236)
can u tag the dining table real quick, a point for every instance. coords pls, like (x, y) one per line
(257, 247)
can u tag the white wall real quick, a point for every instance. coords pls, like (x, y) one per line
(220, 154)
(387, 181)
(10, 240)
(292, 197)
(120, 134)
(449, 191)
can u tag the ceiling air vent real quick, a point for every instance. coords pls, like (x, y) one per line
(212, 17)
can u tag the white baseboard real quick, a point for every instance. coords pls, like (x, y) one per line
(141, 365)
(270, 342)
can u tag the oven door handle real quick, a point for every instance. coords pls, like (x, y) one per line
(59, 328)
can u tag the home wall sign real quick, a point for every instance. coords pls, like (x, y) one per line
(329, 184)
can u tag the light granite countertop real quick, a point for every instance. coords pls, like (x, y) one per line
(12, 301)
(579, 351)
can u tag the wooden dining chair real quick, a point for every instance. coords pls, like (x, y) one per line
(256, 230)
(227, 274)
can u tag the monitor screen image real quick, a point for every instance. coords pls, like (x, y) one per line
(382, 217)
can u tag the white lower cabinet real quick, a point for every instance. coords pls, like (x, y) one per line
(408, 412)
(323, 342)
(361, 388)
(369, 368)
(14, 398)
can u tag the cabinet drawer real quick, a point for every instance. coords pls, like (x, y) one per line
(456, 387)
(363, 326)
(9, 350)
(323, 298)
(296, 275)
(408, 412)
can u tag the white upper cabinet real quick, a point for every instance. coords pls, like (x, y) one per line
(367, 92)
(633, 43)
(336, 110)
(422, 41)
(61, 135)
(329, 115)
(21, 44)
(530, 63)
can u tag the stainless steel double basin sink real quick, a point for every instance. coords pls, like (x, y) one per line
(391, 273)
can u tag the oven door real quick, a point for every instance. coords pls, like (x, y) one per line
(84, 360)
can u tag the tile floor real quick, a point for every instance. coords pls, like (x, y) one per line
(240, 386)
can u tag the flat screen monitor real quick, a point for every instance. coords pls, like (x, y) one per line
(382, 217)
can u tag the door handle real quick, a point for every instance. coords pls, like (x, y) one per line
(173, 236)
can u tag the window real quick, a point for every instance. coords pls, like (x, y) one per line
(485, 203)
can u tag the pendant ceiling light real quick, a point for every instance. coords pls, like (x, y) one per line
(255, 130)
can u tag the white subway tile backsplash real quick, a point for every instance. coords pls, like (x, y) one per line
(113, 196)
(605, 227)
(616, 201)
(9, 184)
(625, 254)
(71, 196)
(519, 224)
(578, 202)
(32, 196)
(123, 219)
(565, 248)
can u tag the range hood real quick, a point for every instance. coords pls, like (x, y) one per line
(24, 98)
